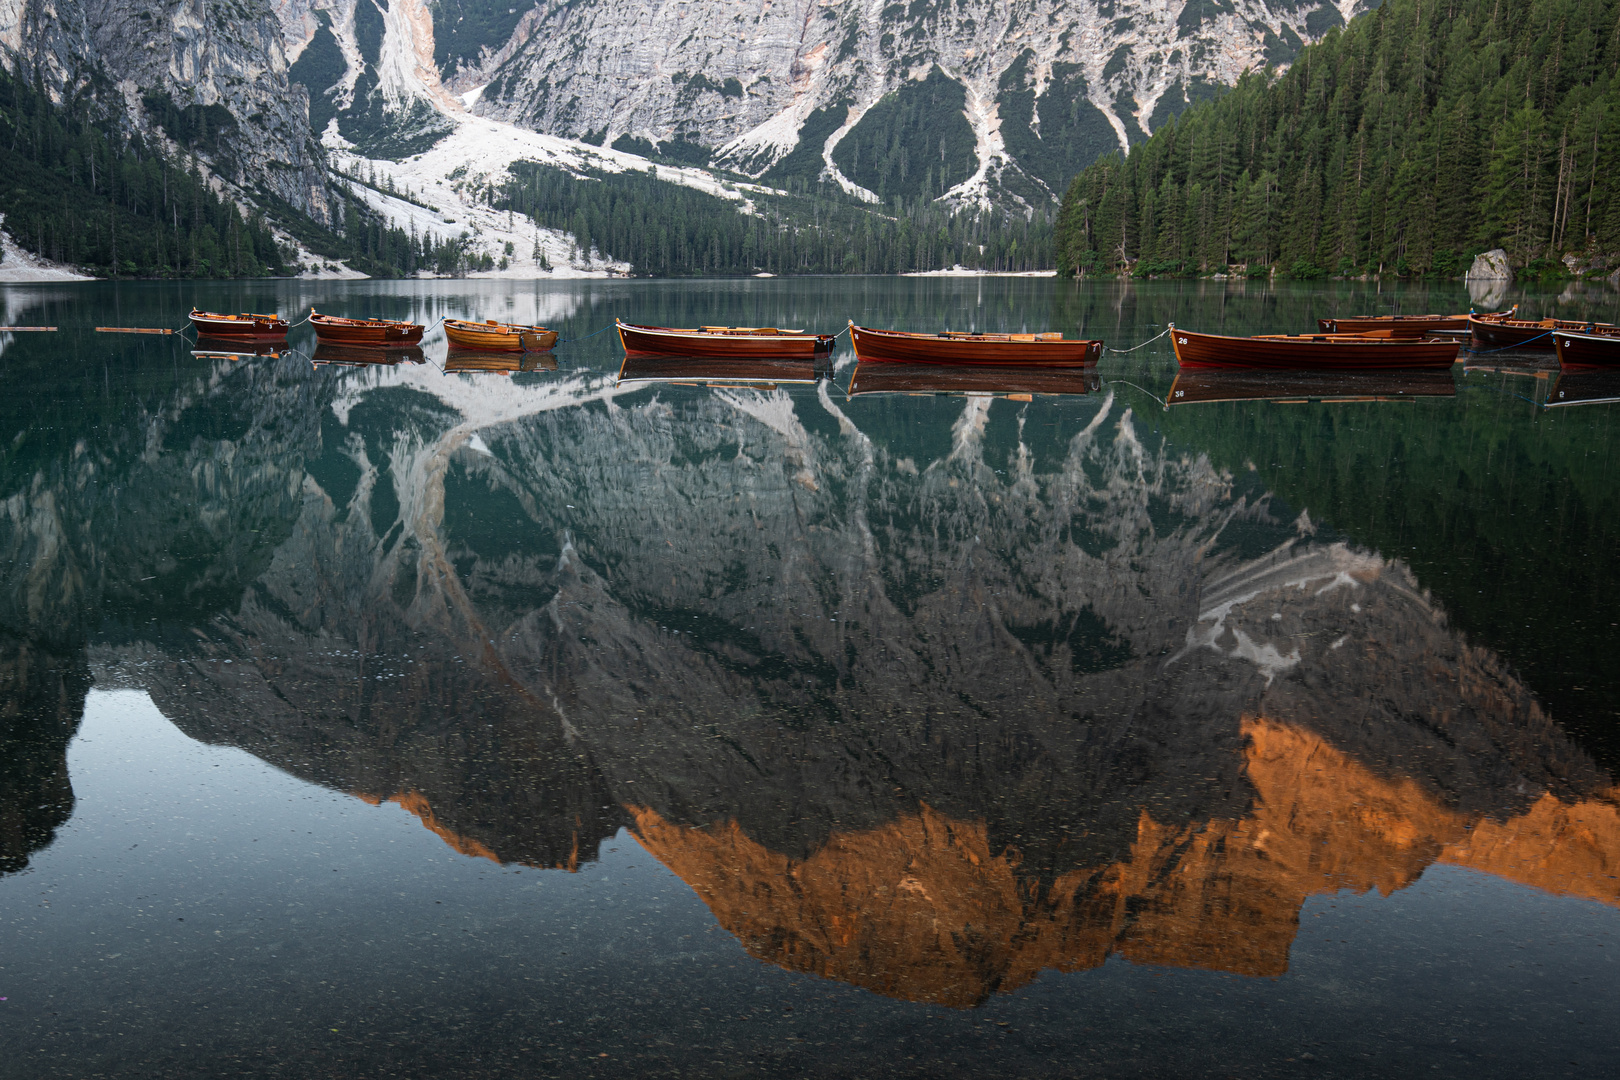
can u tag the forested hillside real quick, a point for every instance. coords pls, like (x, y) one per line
(1420, 134)
(73, 189)
(663, 229)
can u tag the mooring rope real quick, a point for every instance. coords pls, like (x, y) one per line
(587, 337)
(1149, 341)
(1515, 345)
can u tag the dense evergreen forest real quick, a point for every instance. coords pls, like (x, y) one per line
(666, 229)
(78, 190)
(1415, 137)
(74, 189)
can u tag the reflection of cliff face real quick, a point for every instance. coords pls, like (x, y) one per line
(922, 694)
(41, 699)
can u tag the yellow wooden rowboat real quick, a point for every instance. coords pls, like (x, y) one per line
(492, 336)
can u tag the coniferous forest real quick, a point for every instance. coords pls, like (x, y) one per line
(663, 229)
(1417, 136)
(75, 190)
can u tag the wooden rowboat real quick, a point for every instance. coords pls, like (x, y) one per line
(245, 325)
(724, 341)
(1005, 379)
(952, 348)
(1406, 325)
(1524, 334)
(1203, 386)
(1595, 387)
(367, 333)
(1586, 351)
(1323, 352)
(492, 336)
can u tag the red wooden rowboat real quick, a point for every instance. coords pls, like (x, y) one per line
(368, 333)
(724, 341)
(245, 325)
(1327, 352)
(1023, 350)
(1405, 325)
(1203, 386)
(1585, 351)
(967, 379)
(1524, 334)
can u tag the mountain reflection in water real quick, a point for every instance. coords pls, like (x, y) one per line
(924, 695)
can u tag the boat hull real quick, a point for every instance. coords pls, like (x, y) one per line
(936, 350)
(701, 344)
(1586, 352)
(882, 378)
(1204, 386)
(1320, 352)
(1522, 334)
(500, 337)
(365, 333)
(1398, 325)
(239, 327)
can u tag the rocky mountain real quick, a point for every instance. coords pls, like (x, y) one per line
(963, 100)
(928, 700)
(210, 79)
(971, 102)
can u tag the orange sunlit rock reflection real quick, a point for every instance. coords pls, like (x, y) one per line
(922, 909)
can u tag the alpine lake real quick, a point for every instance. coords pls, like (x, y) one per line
(413, 721)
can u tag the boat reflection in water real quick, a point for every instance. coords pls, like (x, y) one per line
(1196, 386)
(762, 371)
(1585, 388)
(221, 348)
(928, 715)
(367, 356)
(469, 361)
(966, 379)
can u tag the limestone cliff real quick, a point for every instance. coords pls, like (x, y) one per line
(1037, 88)
(210, 78)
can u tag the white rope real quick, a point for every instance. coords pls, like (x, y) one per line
(1149, 341)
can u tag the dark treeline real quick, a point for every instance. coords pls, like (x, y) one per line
(662, 228)
(1419, 135)
(76, 190)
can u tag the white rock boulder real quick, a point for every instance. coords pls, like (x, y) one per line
(1491, 266)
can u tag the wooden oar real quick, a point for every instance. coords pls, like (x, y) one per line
(132, 330)
(27, 329)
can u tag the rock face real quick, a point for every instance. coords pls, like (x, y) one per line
(910, 698)
(1037, 89)
(1490, 266)
(185, 63)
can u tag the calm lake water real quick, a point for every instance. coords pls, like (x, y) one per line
(388, 721)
